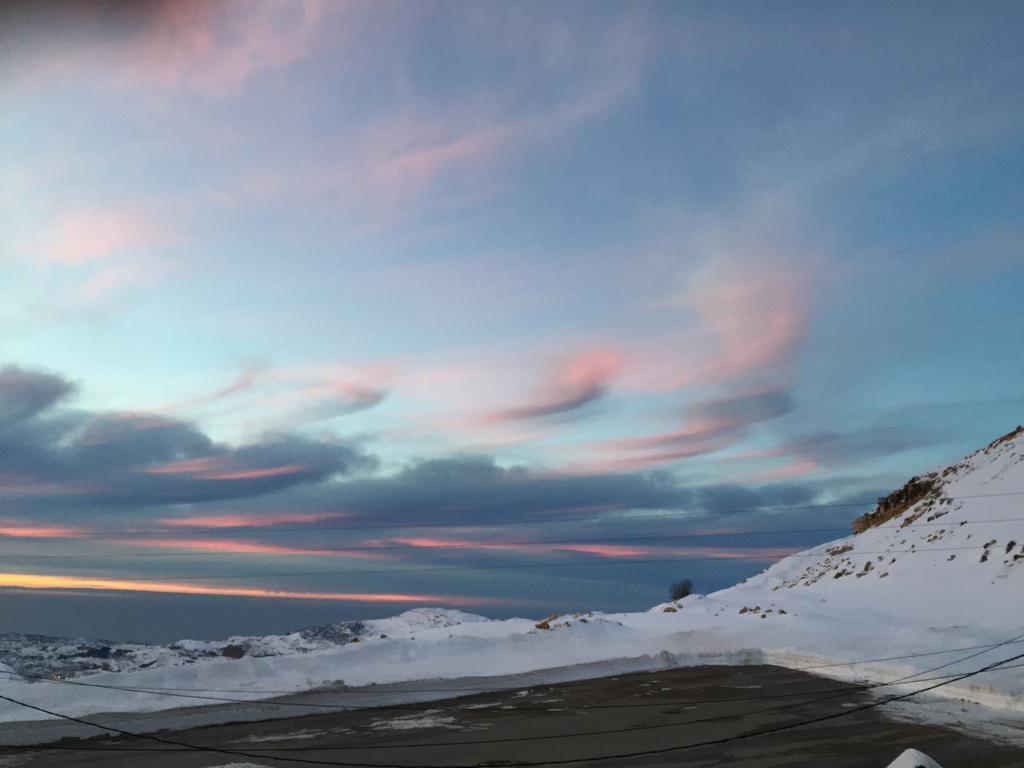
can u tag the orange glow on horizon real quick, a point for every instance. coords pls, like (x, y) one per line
(51, 582)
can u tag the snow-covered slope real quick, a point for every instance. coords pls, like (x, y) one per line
(937, 569)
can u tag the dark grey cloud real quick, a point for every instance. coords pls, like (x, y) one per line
(23, 393)
(144, 459)
(476, 490)
(898, 431)
(745, 409)
(569, 402)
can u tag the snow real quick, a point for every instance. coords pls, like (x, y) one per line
(427, 719)
(913, 759)
(943, 584)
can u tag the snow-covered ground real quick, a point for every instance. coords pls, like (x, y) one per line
(944, 576)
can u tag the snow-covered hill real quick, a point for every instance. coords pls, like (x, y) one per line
(937, 569)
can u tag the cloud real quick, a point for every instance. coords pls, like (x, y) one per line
(242, 546)
(52, 582)
(301, 395)
(218, 48)
(258, 520)
(245, 380)
(579, 381)
(139, 459)
(212, 48)
(59, 467)
(413, 153)
(753, 307)
(839, 449)
(87, 235)
(476, 490)
(23, 393)
(16, 529)
(596, 548)
(108, 248)
(721, 420)
(712, 425)
(341, 399)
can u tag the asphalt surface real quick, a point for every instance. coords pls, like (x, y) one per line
(578, 721)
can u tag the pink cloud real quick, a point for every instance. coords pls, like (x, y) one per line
(213, 48)
(699, 432)
(218, 47)
(748, 311)
(717, 422)
(581, 379)
(16, 529)
(229, 546)
(644, 460)
(599, 549)
(756, 313)
(88, 235)
(411, 170)
(244, 381)
(748, 316)
(406, 155)
(187, 466)
(109, 247)
(254, 520)
(252, 474)
(218, 468)
(313, 393)
(798, 467)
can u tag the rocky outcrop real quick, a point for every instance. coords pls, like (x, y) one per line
(896, 503)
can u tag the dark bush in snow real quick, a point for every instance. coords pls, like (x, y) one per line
(681, 589)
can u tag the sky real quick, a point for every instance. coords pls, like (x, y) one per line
(321, 310)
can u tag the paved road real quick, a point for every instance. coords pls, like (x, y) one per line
(648, 711)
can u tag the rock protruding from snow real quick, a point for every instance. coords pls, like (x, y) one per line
(913, 759)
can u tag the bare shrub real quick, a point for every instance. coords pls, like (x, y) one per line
(681, 589)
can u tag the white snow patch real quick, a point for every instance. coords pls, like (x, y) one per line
(296, 735)
(431, 718)
(913, 759)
